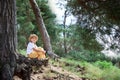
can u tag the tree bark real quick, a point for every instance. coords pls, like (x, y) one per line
(64, 32)
(7, 39)
(42, 28)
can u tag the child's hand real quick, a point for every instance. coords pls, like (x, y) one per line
(43, 51)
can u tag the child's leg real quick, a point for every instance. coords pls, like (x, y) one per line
(41, 55)
(33, 54)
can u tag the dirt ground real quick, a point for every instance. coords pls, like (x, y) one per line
(51, 72)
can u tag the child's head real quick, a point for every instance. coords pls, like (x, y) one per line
(33, 38)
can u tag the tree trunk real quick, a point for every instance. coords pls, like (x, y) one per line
(7, 39)
(42, 29)
(64, 32)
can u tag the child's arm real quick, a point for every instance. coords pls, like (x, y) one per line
(38, 50)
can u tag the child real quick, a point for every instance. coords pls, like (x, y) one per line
(32, 50)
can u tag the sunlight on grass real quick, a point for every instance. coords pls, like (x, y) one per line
(22, 51)
(92, 71)
(111, 74)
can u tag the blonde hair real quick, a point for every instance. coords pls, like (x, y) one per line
(33, 35)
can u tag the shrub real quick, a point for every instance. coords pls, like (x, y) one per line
(111, 74)
(103, 64)
(86, 56)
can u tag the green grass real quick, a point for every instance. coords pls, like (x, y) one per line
(23, 52)
(92, 71)
(111, 74)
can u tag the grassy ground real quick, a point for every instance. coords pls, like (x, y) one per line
(100, 70)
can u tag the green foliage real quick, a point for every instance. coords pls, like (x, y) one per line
(81, 44)
(87, 39)
(27, 23)
(111, 74)
(103, 64)
(86, 56)
(107, 10)
(23, 52)
(99, 16)
(92, 72)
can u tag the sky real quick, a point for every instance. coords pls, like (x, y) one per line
(59, 11)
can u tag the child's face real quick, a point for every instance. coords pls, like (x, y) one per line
(33, 39)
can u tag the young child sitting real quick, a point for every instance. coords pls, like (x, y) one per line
(32, 50)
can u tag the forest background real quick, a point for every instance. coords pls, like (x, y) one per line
(97, 28)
